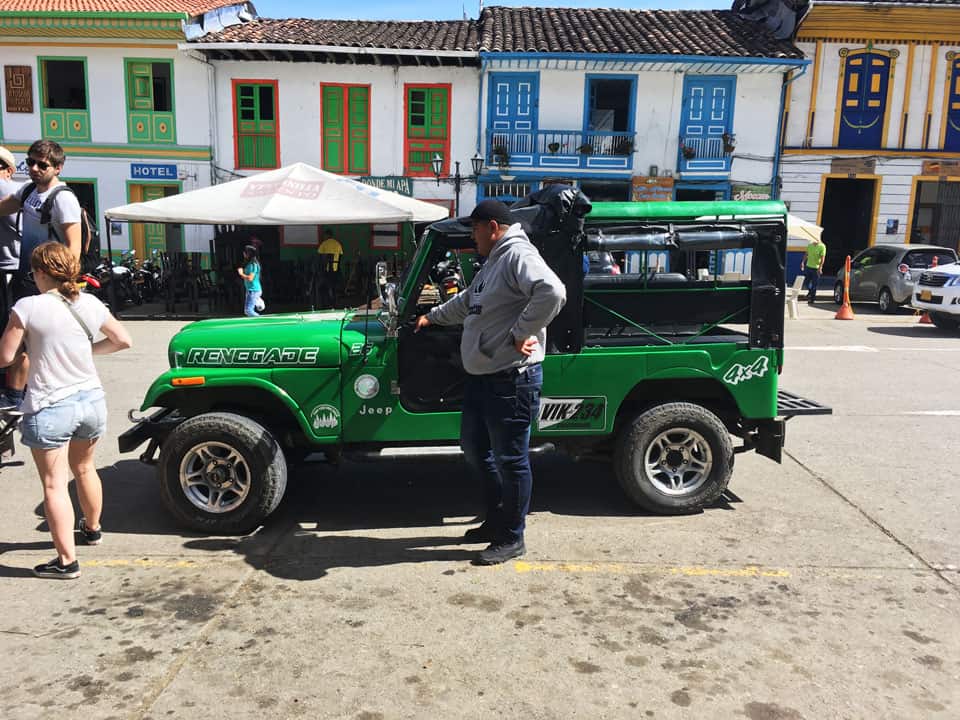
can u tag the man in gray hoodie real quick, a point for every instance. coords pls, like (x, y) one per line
(504, 312)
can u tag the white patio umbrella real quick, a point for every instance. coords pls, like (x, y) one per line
(298, 194)
(802, 230)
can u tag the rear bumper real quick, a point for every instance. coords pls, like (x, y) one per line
(767, 437)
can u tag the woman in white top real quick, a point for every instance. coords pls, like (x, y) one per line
(64, 412)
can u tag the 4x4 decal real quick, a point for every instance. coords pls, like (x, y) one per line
(741, 373)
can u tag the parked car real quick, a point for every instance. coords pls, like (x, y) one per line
(938, 292)
(887, 274)
(602, 262)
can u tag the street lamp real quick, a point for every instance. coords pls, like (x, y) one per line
(476, 164)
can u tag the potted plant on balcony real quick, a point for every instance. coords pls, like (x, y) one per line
(501, 155)
(553, 147)
(623, 146)
(729, 142)
(688, 151)
(586, 149)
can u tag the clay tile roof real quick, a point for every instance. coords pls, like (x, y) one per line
(186, 7)
(427, 35)
(646, 32)
(892, 2)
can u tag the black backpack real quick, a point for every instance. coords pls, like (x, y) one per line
(89, 233)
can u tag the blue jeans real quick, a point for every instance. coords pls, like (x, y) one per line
(498, 411)
(812, 276)
(249, 304)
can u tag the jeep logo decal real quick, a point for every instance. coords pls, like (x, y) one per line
(252, 357)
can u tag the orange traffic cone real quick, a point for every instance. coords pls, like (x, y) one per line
(845, 312)
(925, 318)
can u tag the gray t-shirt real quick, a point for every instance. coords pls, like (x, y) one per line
(65, 211)
(9, 230)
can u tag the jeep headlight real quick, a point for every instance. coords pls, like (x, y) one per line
(952, 282)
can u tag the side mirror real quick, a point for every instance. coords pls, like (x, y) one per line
(388, 296)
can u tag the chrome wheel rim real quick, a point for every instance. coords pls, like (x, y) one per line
(838, 295)
(885, 300)
(678, 461)
(214, 477)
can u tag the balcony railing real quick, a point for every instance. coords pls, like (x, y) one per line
(704, 157)
(546, 149)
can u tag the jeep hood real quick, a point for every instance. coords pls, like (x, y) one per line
(294, 340)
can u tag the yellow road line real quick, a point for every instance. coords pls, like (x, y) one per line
(522, 566)
(141, 563)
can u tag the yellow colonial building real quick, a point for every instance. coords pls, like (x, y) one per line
(872, 128)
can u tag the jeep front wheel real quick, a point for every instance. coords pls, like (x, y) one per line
(221, 473)
(674, 458)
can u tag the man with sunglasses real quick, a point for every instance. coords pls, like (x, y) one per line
(45, 160)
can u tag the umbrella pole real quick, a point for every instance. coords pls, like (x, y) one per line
(111, 286)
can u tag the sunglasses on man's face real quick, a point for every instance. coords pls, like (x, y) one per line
(44, 166)
(4, 166)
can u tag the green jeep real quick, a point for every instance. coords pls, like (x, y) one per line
(654, 371)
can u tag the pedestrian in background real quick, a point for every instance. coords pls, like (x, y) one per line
(64, 411)
(250, 272)
(9, 231)
(812, 267)
(48, 210)
(505, 312)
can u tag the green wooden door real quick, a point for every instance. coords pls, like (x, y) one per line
(333, 143)
(427, 128)
(256, 126)
(346, 129)
(154, 234)
(358, 102)
(145, 124)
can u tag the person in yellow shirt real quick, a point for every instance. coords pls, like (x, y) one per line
(329, 251)
(329, 245)
(812, 267)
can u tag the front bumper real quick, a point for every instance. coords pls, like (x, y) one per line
(937, 299)
(153, 428)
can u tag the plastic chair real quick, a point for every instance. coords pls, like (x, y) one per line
(793, 297)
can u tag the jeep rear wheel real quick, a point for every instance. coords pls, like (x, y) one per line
(221, 473)
(674, 458)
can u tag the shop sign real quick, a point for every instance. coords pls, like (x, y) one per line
(394, 183)
(853, 166)
(750, 192)
(19, 85)
(148, 171)
(649, 189)
(941, 167)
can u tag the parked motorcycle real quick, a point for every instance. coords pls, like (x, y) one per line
(447, 276)
(149, 277)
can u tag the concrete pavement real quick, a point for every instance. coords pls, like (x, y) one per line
(826, 587)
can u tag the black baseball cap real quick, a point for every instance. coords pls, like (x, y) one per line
(489, 210)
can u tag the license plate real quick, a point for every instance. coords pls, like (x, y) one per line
(926, 295)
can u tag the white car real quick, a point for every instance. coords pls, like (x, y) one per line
(938, 292)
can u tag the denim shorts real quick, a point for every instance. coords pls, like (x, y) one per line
(82, 416)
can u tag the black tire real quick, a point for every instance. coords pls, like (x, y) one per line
(944, 321)
(887, 304)
(263, 473)
(838, 293)
(639, 436)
